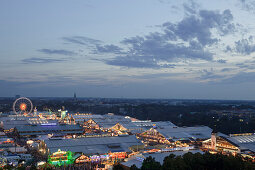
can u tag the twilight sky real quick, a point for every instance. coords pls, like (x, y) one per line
(199, 49)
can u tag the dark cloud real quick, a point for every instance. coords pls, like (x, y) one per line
(241, 65)
(221, 21)
(248, 64)
(81, 40)
(228, 49)
(222, 61)
(245, 46)
(41, 60)
(209, 75)
(162, 50)
(199, 27)
(185, 40)
(60, 52)
(153, 54)
(155, 76)
(226, 69)
(108, 49)
(137, 62)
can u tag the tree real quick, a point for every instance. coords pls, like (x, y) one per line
(133, 167)
(206, 161)
(118, 167)
(150, 164)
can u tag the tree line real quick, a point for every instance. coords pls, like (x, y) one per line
(197, 161)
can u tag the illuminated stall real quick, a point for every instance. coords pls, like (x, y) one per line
(91, 126)
(60, 158)
(118, 155)
(152, 137)
(95, 158)
(7, 142)
(91, 123)
(68, 119)
(82, 159)
(183, 143)
(119, 129)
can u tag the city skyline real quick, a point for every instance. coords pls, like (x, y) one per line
(134, 49)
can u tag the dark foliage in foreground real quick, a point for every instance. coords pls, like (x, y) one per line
(197, 161)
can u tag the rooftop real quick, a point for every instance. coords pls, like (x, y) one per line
(196, 132)
(93, 144)
(52, 128)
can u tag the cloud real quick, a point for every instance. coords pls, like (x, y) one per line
(228, 49)
(241, 77)
(245, 46)
(41, 60)
(248, 5)
(81, 40)
(190, 7)
(226, 69)
(222, 61)
(199, 27)
(137, 62)
(184, 40)
(108, 49)
(248, 64)
(156, 55)
(155, 76)
(60, 52)
(209, 75)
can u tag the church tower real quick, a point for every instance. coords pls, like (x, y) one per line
(213, 139)
(74, 97)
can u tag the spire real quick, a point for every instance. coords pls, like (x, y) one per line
(74, 97)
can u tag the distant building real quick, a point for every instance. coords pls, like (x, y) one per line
(74, 97)
(220, 143)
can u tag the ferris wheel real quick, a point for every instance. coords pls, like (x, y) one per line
(22, 106)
